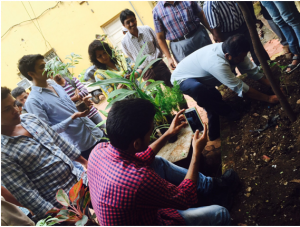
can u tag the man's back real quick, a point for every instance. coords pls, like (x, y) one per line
(125, 189)
(56, 111)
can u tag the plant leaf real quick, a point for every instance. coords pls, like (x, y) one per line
(120, 97)
(74, 190)
(63, 212)
(111, 81)
(101, 123)
(149, 65)
(103, 112)
(83, 221)
(62, 218)
(142, 85)
(138, 63)
(87, 200)
(93, 216)
(140, 54)
(54, 210)
(116, 92)
(153, 85)
(112, 74)
(62, 198)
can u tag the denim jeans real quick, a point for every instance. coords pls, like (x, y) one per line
(287, 17)
(211, 100)
(207, 215)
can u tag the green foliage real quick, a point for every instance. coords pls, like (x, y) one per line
(49, 221)
(75, 208)
(164, 99)
(74, 60)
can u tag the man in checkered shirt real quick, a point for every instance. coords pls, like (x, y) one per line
(35, 161)
(130, 186)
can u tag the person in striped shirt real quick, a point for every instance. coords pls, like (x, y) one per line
(226, 19)
(76, 91)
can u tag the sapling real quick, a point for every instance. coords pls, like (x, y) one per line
(282, 78)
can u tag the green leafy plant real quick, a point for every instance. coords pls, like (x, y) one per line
(74, 60)
(75, 207)
(49, 221)
(135, 88)
(270, 63)
(56, 66)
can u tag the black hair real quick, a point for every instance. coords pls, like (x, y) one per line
(98, 45)
(17, 91)
(236, 45)
(18, 104)
(27, 63)
(124, 14)
(4, 92)
(128, 120)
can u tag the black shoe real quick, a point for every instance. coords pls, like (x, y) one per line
(225, 188)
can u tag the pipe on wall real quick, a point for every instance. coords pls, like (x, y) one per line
(136, 12)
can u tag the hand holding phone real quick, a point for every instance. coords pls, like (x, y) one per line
(177, 123)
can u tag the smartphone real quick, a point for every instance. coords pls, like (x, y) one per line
(194, 119)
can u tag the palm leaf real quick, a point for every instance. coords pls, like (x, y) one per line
(112, 74)
(117, 92)
(118, 98)
(152, 85)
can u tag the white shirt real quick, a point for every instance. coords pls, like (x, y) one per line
(131, 45)
(210, 66)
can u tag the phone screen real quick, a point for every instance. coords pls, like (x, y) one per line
(194, 120)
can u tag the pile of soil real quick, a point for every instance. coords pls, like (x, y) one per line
(270, 191)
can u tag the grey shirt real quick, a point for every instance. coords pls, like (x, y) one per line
(210, 66)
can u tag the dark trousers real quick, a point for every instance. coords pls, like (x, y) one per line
(211, 100)
(87, 152)
(159, 71)
(243, 29)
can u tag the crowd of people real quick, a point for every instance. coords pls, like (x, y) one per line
(47, 144)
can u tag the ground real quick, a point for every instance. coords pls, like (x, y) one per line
(270, 191)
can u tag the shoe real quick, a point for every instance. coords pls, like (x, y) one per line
(233, 116)
(225, 188)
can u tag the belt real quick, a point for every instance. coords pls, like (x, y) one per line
(189, 35)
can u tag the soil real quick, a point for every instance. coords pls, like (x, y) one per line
(81, 106)
(268, 195)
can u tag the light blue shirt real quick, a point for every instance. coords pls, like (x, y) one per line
(56, 111)
(210, 66)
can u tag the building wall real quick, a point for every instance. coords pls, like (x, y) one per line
(68, 27)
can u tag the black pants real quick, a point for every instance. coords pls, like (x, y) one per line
(243, 29)
(211, 100)
(87, 152)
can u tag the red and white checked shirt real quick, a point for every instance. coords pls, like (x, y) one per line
(125, 190)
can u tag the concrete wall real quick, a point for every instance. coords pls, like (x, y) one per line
(68, 27)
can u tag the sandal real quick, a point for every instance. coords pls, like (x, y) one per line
(293, 67)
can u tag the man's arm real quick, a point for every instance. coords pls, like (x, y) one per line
(22, 188)
(35, 108)
(204, 21)
(9, 197)
(177, 124)
(164, 47)
(82, 161)
(254, 94)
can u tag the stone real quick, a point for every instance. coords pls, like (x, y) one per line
(249, 189)
(265, 116)
(298, 102)
(256, 114)
(247, 194)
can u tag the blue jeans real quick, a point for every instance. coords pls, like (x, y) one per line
(207, 215)
(211, 100)
(287, 17)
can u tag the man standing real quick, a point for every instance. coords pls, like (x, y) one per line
(132, 43)
(130, 186)
(179, 22)
(226, 19)
(35, 160)
(198, 77)
(50, 103)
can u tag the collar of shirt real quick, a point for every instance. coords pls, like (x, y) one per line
(166, 2)
(40, 89)
(139, 32)
(118, 153)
